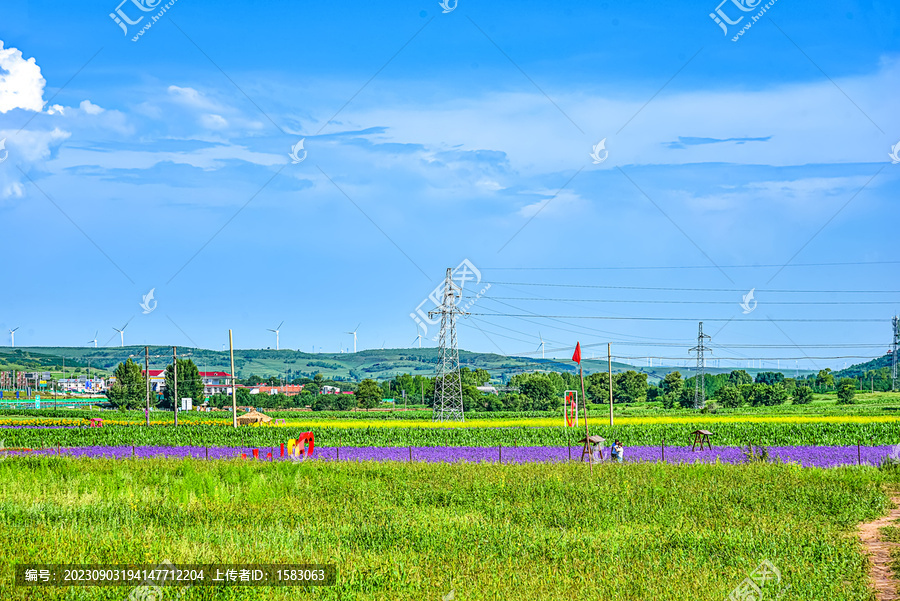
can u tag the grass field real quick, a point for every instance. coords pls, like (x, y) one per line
(400, 531)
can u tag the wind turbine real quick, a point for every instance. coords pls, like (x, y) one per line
(354, 335)
(541, 345)
(276, 330)
(95, 339)
(12, 336)
(122, 332)
(418, 339)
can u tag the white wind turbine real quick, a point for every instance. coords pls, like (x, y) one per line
(12, 336)
(418, 339)
(541, 345)
(95, 339)
(354, 335)
(276, 330)
(122, 332)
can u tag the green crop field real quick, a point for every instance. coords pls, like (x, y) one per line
(398, 531)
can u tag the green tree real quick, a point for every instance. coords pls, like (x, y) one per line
(539, 388)
(368, 394)
(803, 395)
(769, 377)
(481, 377)
(320, 402)
(730, 396)
(846, 391)
(825, 378)
(130, 388)
(630, 387)
(672, 384)
(190, 385)
(739, 377)
(778, 395)
(597, 387)
(341, 402)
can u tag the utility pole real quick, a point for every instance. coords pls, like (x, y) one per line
(896, 323)
(147, 371)
(233, 388)
(448, 400)
(700, 378)
(609, 367)
(175, 380)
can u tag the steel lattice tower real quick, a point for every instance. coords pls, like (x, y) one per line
(700, 378)
(448, 399)
(896, 323)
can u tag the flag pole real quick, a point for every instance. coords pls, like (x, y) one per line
(584, 404)
(577, 357)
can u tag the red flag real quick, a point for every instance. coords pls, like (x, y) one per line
(577, 356)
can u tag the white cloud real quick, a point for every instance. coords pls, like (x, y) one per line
(21, 86)
(13, 190)
(808, 123)
(209, 158)
(90, 108)
(564, 202)
(191, 97)
(29, 146)
(213, 121)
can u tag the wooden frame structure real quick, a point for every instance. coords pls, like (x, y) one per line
(700, 437)
(592, 444)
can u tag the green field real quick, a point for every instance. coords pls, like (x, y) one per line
(416, 531)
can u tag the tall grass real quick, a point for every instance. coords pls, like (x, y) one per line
(403, 531)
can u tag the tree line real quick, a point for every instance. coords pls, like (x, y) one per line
(533, 391)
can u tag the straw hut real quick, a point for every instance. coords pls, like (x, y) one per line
(253, 417)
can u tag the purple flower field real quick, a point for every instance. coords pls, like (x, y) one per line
(807, 456)
(15, 427)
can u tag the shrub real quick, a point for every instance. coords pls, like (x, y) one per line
(846, 392)
(803, 395)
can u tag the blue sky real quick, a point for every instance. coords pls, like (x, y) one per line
(435, 137)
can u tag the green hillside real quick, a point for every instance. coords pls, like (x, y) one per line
(376, 363)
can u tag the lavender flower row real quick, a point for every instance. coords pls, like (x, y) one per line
(25, 427)
(807, 456)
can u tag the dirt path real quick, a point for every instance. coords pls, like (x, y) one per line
(880, 576)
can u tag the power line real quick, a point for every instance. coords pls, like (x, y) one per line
(674, 289)
(679, 302)
(610, 317)
(645, 267)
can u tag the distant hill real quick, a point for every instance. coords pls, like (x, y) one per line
(377, 364)
(855, 371)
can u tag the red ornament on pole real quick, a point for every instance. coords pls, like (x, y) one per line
(577, 356)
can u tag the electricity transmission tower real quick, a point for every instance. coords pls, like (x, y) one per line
(700, 378)
(448, 399)
(896, 323)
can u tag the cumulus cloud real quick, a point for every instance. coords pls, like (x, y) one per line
(21, 83)
(191, 97)
(13, 190)
(88, 107)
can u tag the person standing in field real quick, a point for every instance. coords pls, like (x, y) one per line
(617, 452)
